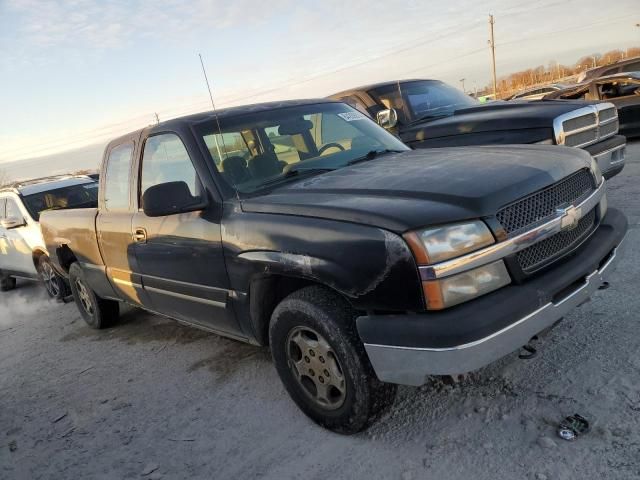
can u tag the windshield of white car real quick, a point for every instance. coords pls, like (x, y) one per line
(84, 195)
(260, 150)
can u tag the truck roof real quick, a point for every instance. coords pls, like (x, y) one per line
(381, 84)
(221, 114)
(39, 185)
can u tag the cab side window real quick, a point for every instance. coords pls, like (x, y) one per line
(166, 160)
(12, 210)
(116, 186)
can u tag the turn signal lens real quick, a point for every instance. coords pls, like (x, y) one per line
(451, 291)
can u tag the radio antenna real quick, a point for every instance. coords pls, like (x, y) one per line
(215, 113)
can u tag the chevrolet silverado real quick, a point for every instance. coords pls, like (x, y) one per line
(362, 264)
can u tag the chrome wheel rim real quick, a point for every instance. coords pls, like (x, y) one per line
(50, 280)
(85, 299)
(316, 368)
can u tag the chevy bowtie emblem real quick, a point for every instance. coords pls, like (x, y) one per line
(570, 217)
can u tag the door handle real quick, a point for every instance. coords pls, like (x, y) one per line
(140, 235)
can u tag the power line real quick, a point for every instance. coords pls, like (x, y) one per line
(492, 45)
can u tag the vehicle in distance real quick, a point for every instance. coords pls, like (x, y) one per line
(536, 93)
(621, 90)
(628, 65)
(304, 226)
(430, 113)
(22, 250)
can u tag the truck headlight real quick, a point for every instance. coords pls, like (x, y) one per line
(434, 245)
(456, 289)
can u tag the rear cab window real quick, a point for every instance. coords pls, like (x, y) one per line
(117, 175)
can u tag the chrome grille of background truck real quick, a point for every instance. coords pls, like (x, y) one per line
(586, 126)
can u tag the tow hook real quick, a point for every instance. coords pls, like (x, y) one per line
(528, 351)
(604, 286)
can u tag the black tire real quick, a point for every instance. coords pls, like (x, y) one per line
(6, 282)
(316, 311)
(54, 284)
(97, 312)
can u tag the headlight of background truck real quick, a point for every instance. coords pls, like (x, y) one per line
(434, 245)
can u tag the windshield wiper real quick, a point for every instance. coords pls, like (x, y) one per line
(291, 173)
(430, 117)
(371, 155)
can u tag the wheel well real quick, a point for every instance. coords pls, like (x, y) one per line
(36, 257)
(265, 294)
(65, 257)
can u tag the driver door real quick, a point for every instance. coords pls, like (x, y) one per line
(179, 257)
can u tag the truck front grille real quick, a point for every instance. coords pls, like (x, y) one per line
(544, 252)
(586, 126)
(541, 205)
(582, 138)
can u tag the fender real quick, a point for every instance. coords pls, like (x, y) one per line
(373, 268)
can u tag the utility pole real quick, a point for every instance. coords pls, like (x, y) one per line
(492, 44)
(462, 82)
(157, 117)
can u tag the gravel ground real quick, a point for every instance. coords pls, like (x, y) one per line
(153, 399)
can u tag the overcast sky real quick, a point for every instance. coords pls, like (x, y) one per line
(78, 72)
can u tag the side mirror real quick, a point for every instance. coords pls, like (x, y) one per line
(169, 199)
(12, 222)
(387, 118)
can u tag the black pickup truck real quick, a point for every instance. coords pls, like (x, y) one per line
(432, 114)
(363, 264)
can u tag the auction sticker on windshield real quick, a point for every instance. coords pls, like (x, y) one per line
(351, 116)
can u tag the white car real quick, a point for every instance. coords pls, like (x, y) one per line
(22, 251)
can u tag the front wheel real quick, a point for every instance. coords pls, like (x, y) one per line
(97, 312)
(322, 362)
(54, 284)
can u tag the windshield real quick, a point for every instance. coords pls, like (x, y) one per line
(261, 149)
(77, 196)
(424, 99)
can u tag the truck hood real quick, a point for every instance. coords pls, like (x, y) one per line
(419, 188)
(495, 116)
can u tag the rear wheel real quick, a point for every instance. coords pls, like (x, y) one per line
(96, 311)
(6, 282)
(55, 285)
(322, 362)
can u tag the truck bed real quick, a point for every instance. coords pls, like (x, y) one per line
(75, 229)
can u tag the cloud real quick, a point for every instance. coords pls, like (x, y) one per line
(114, 24)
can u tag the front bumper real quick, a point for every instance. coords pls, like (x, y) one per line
(610, 155)
(406, 349)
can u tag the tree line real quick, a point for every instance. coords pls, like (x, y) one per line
(557, 72)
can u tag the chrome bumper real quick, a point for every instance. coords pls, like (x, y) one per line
(611, 161)
(411, 366)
